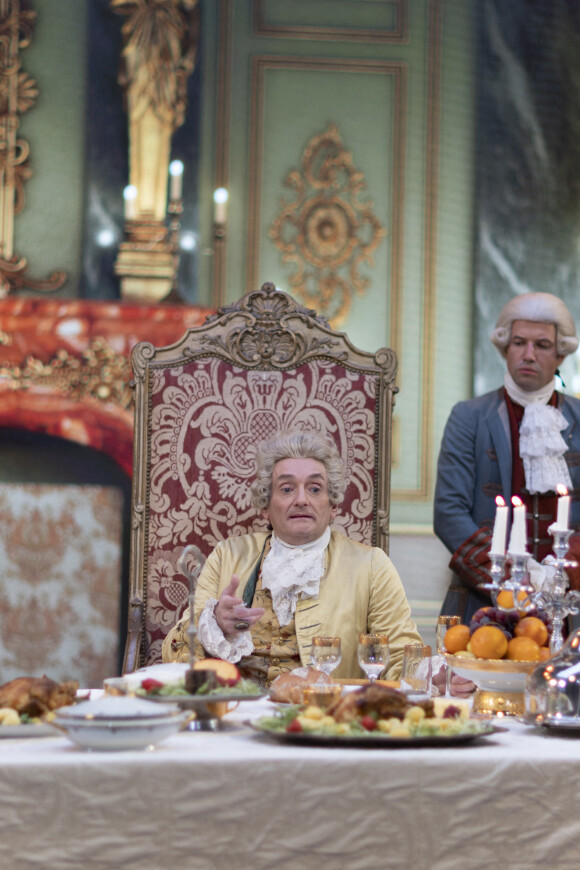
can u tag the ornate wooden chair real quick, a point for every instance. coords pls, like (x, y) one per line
(201, 407)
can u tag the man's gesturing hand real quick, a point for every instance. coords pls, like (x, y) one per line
(230, 609)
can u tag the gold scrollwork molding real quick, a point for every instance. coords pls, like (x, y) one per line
(326, 233)
(98, 374)
(18, 93)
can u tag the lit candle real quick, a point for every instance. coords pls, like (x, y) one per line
(176, 180)
(517, 545)
(562, 517)
(130, 197)
(499, 527)
(220, 212)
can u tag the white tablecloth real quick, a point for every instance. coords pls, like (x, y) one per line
(232, 799)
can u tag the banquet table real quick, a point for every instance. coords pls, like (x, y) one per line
(232, 798)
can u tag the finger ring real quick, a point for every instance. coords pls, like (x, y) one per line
(241, 626)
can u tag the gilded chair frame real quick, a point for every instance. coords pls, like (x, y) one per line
(266, 330)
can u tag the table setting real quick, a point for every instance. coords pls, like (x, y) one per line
(144, 804)
(170, 801)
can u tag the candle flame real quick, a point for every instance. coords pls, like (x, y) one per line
(499, 501)
(516, 501)
(561, 489)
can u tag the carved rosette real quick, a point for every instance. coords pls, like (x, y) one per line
(327, 233)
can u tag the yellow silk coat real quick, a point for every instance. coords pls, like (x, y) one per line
(360, 592)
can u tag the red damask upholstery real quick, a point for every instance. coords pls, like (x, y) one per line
(202, 407)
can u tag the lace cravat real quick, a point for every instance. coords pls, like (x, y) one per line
(542, 447)
(291, 572)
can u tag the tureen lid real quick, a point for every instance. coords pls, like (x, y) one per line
(115, 707)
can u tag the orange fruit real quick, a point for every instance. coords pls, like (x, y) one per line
(456, 638)
(489, 642)
(545, 653)
(531, 626)
(505, 598)
(523, 649)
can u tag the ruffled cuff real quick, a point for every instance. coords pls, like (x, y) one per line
(214, 642)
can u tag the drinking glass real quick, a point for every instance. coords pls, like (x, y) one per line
(417, 670)
(373, 654)
(443, 624)
(325, 654)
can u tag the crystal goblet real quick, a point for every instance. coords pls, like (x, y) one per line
(325, 654)
(373, 654)
(444, 623)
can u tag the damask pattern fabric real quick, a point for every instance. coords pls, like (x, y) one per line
(61, 555)
(206, 422)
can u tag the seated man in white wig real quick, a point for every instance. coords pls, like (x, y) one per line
(262, 597)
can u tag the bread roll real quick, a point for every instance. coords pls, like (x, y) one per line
(288, 687)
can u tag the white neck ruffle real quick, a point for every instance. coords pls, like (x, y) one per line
(291, 572)
(542, 447)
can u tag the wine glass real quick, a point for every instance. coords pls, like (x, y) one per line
(325, 654)
(373, 654)
(443, 624)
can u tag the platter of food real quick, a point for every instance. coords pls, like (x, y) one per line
(208, 690)
(568, 726)
(461, 733)
(375, 716)
(196, 702)
(28, 729)
(28, 704)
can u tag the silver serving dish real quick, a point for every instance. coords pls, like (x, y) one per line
(552, 690)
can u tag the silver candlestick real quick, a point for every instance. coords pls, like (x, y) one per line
(497, 571)
(555, 598)
(190, 564)
(517, 582)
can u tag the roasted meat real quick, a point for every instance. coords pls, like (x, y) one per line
(387, 703)
(35, 696)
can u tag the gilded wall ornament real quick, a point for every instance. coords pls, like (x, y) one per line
(160, 42)
(327, 233)
(18, 94)
(99, 374)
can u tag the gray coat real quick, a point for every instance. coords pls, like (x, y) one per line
(475, 465)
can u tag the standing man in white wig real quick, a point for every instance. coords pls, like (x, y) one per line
(521, 439)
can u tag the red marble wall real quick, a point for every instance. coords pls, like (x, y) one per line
(65, 366)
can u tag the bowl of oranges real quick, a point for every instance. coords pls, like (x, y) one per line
(497, 651)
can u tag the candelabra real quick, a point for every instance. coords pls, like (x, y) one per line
(554, 597)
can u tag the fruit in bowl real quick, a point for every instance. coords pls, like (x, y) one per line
(495, 634)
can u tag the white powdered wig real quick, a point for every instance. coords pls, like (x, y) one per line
(540, 308)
